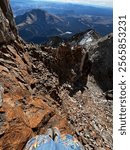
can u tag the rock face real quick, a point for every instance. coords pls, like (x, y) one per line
(101, 55)
(42, 87)
(8, 30)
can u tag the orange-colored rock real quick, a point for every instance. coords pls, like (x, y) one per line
(16, 137)
(37, 113)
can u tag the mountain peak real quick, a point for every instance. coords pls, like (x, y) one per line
(38, 24)
(85, 38)
(37, 12)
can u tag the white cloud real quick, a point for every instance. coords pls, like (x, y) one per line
(107, 3)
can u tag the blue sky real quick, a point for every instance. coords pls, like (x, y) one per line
(106, 3)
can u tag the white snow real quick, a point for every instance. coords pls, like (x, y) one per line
(86, 40)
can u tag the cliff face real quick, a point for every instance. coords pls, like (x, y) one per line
(8, 30)
(42, 87)
(101, 55)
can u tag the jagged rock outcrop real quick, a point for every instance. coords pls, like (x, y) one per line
(68, 74)
(100, 51)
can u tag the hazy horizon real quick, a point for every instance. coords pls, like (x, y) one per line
(102, 3)
(98, 3)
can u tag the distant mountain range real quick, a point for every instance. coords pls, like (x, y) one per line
(39, 26)
(57, 8)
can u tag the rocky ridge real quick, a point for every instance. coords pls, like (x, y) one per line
(41, 87)
(82, 98)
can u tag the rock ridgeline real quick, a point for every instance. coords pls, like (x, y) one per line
(42, 87)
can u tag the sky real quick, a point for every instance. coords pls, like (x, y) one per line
(106, 3)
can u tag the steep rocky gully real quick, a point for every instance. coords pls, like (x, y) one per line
(41, 87)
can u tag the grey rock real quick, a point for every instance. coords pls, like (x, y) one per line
(1, 94)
